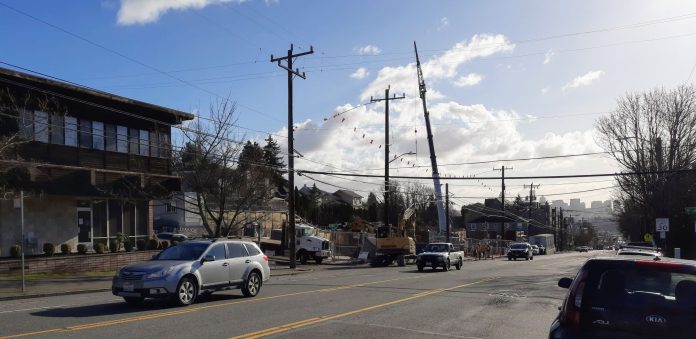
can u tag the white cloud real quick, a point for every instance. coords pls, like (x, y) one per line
(547, 57)
(545, 90)
(360, 73)
(444, 22)
(584, 80)
(368, 50)
(142, 12)
(444, 66)
(470, 79)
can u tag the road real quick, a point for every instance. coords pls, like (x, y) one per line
(486, 299)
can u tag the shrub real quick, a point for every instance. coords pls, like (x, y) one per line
(114, 246)
(49, 249)
(128, 246)
(142, 244)
(81, 248)
(99, 248)
(164, 245)
(153, 244)
(65, 249)
(16, 251)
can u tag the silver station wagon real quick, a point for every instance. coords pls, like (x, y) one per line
(191, 268)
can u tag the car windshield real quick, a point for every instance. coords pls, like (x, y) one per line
(184, 251)
(437, 248)
(518, 246)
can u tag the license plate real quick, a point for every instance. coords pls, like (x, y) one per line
(128, 287)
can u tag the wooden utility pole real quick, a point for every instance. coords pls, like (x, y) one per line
(502, 184)
(532, 187)
(386, 100)
(291, 146)
(447, 213)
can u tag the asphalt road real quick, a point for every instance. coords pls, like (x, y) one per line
(486, 299)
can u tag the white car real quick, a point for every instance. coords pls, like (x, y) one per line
(535, 249)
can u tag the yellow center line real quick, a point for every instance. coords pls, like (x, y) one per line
(316, 320)
(199, 308)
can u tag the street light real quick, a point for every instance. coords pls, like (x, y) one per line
(401, 155)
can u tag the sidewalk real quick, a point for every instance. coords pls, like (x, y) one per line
(11, 289)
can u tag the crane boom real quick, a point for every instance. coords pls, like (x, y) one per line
(433, 160)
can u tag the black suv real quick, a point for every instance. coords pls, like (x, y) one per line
(521, 250)
(629, 297)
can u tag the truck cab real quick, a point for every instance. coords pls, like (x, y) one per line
(309, 245)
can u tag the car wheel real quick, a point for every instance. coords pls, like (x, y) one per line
(509, 258)
(303, 257)
(532, 258)
(459, 264)
(318, 260)
(420, 268)
(133, 300)
(186, 292)
(447, 266)
(526, 258)
(401, 261)
(252, 285)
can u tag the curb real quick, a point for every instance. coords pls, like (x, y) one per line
(95, 290)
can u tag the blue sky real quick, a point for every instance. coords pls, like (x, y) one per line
(594, 53)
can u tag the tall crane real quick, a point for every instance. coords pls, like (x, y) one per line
(433, 160)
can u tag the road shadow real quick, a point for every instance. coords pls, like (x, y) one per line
(121, 308)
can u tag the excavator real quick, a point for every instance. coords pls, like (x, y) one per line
(394, 244)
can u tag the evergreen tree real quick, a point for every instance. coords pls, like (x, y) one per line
(372, 207)
(273, 158)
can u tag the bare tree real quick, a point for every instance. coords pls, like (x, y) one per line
(212, 164)
(653, 133)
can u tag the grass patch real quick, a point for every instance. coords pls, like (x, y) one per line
(44, 276)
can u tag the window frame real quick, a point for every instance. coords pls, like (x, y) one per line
(70, 131)
(98, 139)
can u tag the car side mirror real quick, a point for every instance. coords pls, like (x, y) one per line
(208, 258)
(565, 282)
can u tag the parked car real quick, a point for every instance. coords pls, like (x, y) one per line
(628, 297)
(191, 268)
(169, 236)
(521, 250)
(440, 254)
(535, 249)
(582, 249)
(542, 249)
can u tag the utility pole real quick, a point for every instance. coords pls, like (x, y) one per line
(502, 185)
(386, 100)
(291, 146)
(561, 227)
(447, 214)
(531, 196)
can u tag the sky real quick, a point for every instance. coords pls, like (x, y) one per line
(506, 79)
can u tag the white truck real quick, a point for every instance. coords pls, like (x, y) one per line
(309, 245)
(545, 240)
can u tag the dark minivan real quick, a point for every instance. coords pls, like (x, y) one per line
(629, 297)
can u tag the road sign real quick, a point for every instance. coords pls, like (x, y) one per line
(662, 225)
(647, 237)
(691, 210)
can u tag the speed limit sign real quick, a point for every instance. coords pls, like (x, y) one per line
(662, 225)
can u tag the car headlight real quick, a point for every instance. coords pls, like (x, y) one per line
(159, 274)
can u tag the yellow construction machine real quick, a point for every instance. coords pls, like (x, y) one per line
(396, 244)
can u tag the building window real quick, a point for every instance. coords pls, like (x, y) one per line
(133, 140)
(57, 129)
(26, 125)
(85, 133)
(98, 135)
(164, 146)
(110, 137)
(121, 139)
(41, 126)
(154, 147)
(171, 207)
(144, 143)
(71, 131)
